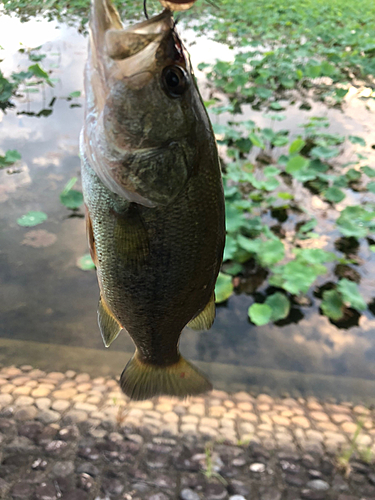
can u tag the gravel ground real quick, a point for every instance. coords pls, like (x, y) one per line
(65, 435)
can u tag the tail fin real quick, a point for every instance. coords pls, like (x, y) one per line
(143, 381)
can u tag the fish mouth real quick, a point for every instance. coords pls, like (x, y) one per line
(113, 42)
(124, 43)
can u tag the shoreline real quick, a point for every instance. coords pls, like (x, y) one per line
(233, 378)
(73, 437)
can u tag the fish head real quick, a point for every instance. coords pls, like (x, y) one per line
(144, 90)
(150, 85)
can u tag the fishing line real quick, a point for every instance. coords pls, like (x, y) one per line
(145, 9)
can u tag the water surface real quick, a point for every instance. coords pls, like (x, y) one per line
(48, 305)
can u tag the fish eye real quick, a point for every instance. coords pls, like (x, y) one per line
(174, 80)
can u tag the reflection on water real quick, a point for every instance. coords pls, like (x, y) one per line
(46, 300)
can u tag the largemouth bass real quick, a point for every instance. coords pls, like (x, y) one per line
(154, 199)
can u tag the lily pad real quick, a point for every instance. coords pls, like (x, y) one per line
(334, 194)
(296, 163)
(223, 288)
(260, 314)
(296, 146)
(85, 262)
(69, 197)
(32, 219)
(271, 251)
(279, 304)
(257, 140)
(76, 93)
(11, 156)
(350, 293)
(354, 139)
(72, 199)
(332, 304)
(370, 172)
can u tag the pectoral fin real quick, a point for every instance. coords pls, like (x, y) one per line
(204, 319)
(108, 324)
(90, 237)
(131, 237)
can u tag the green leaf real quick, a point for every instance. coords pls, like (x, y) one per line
(234, 218)
(332, 304)
(270, 184)
(308, 226)
(37, 57)
(271, 252)
(37, 71)
(354, 139)
(328, 69)
(276, 106)
(314, 255)
(11, 156)
(296, 276)
(69, 197)
(355, 221)
(297, 145)
(32, 219)
(323, 152)
(371, 187)
(313, 71)
(260, 314)
(76, 93)
(370, 172)
(296, 163)
(334, 194)
(353, 175)
(280, 140)
(285, 196)
(340, 93)
(71, 182)
(271, 171)
(72, 199)
(223, 288)
(85, 262)
(279, 304)
(275, 117)
(230, 249)
(250, 245)
(350, 293)
(350, 227)
(234, 269)
(257, 140)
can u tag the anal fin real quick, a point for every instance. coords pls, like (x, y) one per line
(204, 319)
(108, 324)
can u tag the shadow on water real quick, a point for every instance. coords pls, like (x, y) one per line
(48, 305)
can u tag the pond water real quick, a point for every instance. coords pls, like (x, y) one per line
(48, 305)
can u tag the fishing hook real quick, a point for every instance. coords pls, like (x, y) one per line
(145, 9)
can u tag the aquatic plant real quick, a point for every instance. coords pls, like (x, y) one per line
(69, 197)
(263, 172)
